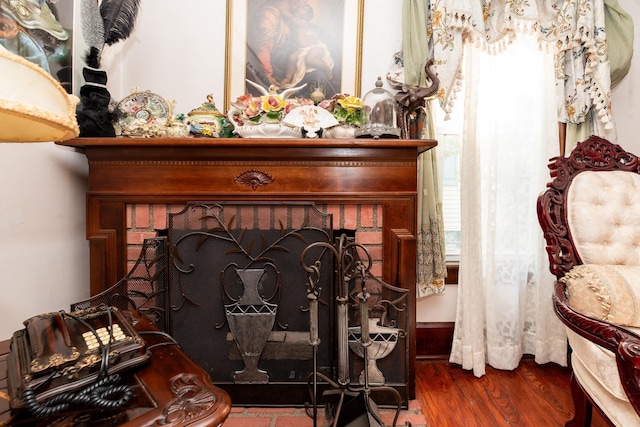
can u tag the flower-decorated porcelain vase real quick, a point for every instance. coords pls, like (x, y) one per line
(347, 111)
(262, 116)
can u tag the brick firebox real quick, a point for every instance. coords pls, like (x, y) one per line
(145, 220)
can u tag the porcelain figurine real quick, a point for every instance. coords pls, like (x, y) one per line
(313, 120)
(208, 121)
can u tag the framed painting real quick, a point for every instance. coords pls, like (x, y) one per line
(291, 43)
(41, 32)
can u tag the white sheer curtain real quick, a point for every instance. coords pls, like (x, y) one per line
(510, 132)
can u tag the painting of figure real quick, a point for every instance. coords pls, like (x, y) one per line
(295, 42)
(40, 31)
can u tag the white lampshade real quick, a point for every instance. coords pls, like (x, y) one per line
(34, 107)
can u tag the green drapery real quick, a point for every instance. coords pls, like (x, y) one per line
(431, 266)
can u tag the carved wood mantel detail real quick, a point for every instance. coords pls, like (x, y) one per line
(254, 178)
(126, 171)
(193, 401)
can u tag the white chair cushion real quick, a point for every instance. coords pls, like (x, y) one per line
(603, 210)
(603, 215)
(600, 363)
(596, 370)
(605, 292)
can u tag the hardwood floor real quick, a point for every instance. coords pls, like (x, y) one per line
(532, 395)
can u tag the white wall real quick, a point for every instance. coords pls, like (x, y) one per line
(179, 59)
(626, 96)
(43, 250)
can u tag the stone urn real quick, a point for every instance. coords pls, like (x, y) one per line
(383, 341)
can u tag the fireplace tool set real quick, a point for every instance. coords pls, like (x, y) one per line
(346, 404)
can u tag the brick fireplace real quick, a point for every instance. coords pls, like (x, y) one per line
(368, 185)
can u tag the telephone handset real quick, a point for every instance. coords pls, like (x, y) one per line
(60, 353)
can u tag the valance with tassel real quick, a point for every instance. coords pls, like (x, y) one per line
(574, 29)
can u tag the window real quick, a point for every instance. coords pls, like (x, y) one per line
(449, 136)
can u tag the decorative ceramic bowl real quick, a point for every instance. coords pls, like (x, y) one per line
(268, 130)
(266, 113)
(262, 129)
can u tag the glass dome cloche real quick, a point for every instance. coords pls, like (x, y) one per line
(379, 114)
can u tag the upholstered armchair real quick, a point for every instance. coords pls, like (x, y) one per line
(590, 215)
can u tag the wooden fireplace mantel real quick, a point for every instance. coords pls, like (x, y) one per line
(178, 170)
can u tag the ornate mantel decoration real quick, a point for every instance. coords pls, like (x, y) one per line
(254, 178)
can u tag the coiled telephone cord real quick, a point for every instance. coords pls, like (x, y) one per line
(98, 395)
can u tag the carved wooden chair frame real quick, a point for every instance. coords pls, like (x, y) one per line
(594, 154)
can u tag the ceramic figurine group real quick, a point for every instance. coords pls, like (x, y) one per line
(272, 114)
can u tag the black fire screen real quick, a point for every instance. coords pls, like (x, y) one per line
(238, 299)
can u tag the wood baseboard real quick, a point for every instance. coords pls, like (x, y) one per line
(433, 340)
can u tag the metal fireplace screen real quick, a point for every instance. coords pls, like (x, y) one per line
(271, 303)
(144, 288)
(238, 297)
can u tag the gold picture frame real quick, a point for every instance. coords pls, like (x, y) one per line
(342, 42)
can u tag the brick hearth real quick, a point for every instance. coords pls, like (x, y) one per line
(296, 417)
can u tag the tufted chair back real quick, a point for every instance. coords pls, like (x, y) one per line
(603, 214)
(590, 212)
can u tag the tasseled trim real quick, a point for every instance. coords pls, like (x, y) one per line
(447, 100)
(470, 34)
(596, 282)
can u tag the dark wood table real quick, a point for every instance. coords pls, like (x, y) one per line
(171, 390)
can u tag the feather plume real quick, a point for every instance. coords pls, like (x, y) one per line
(91, 23)
(93, 57)
(119, 17)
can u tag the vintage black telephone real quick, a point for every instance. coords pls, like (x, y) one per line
(65, 359)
